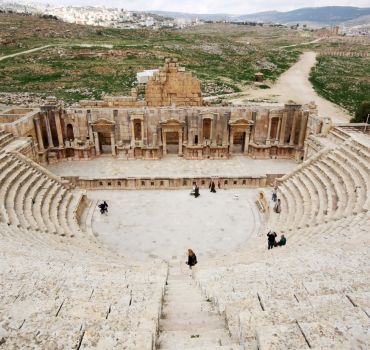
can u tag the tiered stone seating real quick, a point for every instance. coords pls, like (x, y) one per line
(5, 138)
(60, 293)
(313, 292)
(31, 197)
(331, 186)
(284, 298)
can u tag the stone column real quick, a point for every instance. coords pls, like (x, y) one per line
(225, 132)
(142, 130)
(278, 130)
(292, 132)
(268, 138)
(283, 127)
(40, 140)
(154, 139)
(302, 131)
(246, 140)
(164, 142)
(96, 141)
(59, 129)
(231, 142)
(190, 137)
(180, 142)
(132, 132)
(211, 132)
(113, 143)
(48, 130)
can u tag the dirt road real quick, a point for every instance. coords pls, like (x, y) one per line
(294, 85)
(25, 52)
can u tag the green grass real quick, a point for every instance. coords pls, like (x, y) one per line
(342, 80)
(226, 57)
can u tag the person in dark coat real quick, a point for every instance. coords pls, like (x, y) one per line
(196, 191)
(277, 207)
(103, 207)
(282, 241)
(271, 236)
(274, 194)
(213, 187)
(192, 259)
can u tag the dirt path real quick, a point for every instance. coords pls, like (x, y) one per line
(25, 52)
(300, 44)
(294, 85)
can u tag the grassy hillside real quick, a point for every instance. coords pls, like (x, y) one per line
(224, 57)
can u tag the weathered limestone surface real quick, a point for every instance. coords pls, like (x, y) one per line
(313, 292)
(172, 86)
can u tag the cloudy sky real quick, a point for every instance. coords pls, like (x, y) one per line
(214, 6)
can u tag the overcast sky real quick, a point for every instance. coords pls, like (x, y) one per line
(212, 6)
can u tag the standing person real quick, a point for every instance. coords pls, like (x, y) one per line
(277, 207)
(219, 184)
(192, 259)
(196, 191)
(105, 206)
(274, 194)
(213, 187)
(271, 236)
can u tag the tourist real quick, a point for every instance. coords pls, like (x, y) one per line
(192, 193)
(271, 236)
(282, 241)
(274, 194)
(219, 184)
(103, 207)
(196, 191)
(212, 187)
(192, 259)
(277, 207)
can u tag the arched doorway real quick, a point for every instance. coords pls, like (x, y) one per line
(70, 133)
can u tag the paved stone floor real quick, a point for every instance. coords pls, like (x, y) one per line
(165, 223)
(172, 166)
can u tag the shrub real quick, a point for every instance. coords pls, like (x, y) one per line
(361, 113)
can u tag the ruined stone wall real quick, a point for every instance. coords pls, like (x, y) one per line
(172, 86)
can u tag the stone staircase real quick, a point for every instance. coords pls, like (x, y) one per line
(189, 321)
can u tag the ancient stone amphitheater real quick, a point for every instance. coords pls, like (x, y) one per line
(62, 289)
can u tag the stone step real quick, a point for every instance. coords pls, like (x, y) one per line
(187, 340)
(213, 347)
(192, 323)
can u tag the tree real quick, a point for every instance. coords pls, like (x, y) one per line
(361, 113)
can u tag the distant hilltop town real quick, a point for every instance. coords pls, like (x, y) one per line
(340, 20)
(99, 16)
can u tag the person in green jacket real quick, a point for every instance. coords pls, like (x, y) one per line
(282, 240)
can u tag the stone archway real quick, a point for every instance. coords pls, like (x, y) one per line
(104, 136)
(171, 128)
(239, 135)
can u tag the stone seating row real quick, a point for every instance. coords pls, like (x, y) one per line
(30, 198)
(303, 292)
(330, 187)
(55, 294)
(5, 138)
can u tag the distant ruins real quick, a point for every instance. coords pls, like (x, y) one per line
(170, 120)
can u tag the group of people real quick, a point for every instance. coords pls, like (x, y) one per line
(212, 186)
(272, 242)
(277, 206)
(103, 207)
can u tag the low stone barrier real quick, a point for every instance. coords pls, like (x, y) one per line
(155, 183)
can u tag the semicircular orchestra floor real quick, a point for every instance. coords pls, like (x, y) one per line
(165, 223)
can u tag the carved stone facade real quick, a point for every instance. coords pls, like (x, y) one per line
(153, 133)
(192, 131)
